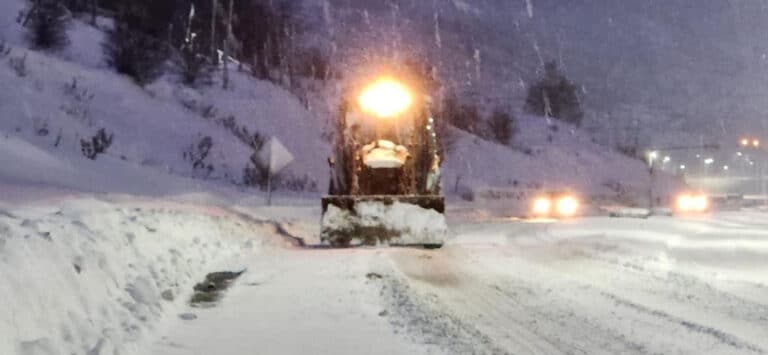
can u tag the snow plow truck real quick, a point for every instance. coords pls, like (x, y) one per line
(385, 170)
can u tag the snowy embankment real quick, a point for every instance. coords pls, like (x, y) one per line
(56, 99)
(88, 276)
(548, 156)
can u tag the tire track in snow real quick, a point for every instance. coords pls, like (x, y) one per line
(547, 311)
(511, 315)
(423, 320)
(720, 335)
(684, 290)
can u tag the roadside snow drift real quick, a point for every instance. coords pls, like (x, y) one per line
(93, 277)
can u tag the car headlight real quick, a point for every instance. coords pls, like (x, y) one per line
(692, 203)
(542, 206)
(700, 203)
(567, 206)
(685, 203)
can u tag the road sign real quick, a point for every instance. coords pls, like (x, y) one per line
(276, 157)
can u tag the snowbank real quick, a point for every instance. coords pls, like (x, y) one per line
(413, 224)
(92, 277)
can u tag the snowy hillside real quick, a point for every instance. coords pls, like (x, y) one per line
(56, 100)
(545, 157)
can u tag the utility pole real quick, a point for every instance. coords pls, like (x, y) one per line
(652, 156)
(762, 168)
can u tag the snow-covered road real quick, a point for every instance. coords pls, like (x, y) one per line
(592, 286)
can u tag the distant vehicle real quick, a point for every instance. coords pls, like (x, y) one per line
(556, 204)
(691, 203)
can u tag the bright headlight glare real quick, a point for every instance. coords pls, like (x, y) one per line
(685, 203)
(385, 99)
(692, 203)
(542, 206)
(567, 206)
(700, 203)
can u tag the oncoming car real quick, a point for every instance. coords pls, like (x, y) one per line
(556, 205)
(692, 203)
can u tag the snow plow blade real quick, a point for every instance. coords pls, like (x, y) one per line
(391, 220)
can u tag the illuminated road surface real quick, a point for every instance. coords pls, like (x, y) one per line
(592, 286)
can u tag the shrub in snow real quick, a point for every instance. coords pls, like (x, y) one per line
(5, 49)
(198, 155)
(79, 103)
(40, 127)
(555, 96)
(298, 184)
(255, 140)
(96, 145)
(501, 126)
(46, 24)
(19, 65)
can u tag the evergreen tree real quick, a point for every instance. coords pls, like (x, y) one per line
(134, 46)
(465, 117)
(555, 96)
(47, 24)
(501, 127)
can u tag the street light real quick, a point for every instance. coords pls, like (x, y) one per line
(709, 161)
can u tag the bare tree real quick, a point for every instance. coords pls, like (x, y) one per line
(226, 45)
(214, 57)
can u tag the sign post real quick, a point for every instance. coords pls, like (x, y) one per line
(276, 157)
